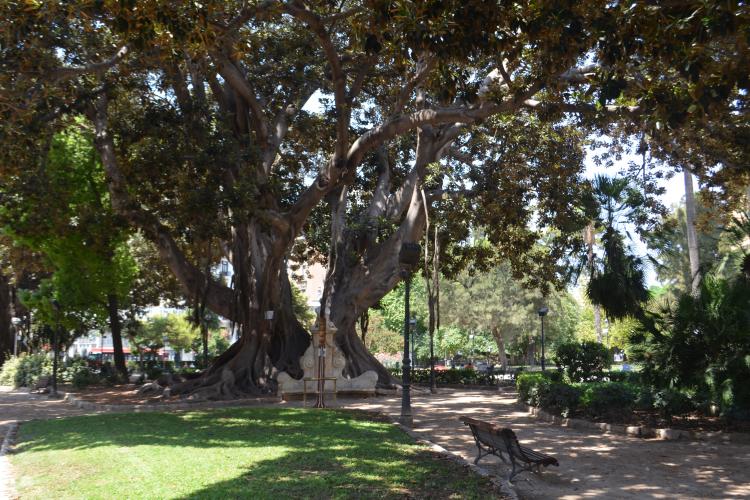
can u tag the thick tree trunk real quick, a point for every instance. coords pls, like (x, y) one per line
(498, 336)
(7, 332)
(265, 348)
(692, 237)
(116, 329)
(359, 359)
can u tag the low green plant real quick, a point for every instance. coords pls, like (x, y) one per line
(671, 402)
(532, 386)
(584, 361)
(455, 376)
(560, 398)
(79, 374)
(607, 399)
(25, 370)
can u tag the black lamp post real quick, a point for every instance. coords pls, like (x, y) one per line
(408, 259)
(164, 355)
(413, 334)
(55, 333)
(542, 313)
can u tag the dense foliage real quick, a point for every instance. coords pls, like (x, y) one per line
(472, 112)
(453, 376)
(582, 361)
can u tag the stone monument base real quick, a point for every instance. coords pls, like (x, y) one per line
(291, 388)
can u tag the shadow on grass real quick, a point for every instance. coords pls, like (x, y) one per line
(313, 453)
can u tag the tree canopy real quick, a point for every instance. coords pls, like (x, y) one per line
(200, 121)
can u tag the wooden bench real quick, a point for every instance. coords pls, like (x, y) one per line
(500, 441)
(42, 382)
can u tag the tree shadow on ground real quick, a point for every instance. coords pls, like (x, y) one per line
(268, 453)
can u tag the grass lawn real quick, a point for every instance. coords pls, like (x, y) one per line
(231, 453)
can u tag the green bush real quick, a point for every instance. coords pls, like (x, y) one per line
(453, 376)
(607, 399)
(25, 370)
(559, 398)
(671, 402)
(79, 374)
(532, 386)
(700, 345)
(644, 399)
(153, 372)
(629, 377)
(583, 361)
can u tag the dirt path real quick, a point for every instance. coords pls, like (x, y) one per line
(592, 465)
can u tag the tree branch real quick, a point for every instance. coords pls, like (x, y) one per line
(424, 66)
(98, 68)
(239, 83)
(299, 11)
(190, 277)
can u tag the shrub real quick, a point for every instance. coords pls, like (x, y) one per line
(607, 399)
(532, 386)
(448, 377)
(25, 370)
(629, 377)
(671, 402)
(560, 398)
(644, 399)
(79, 374)
(582, 361)
(153, 372)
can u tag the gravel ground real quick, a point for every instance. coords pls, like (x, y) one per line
(592, 465)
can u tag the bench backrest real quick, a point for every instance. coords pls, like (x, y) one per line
(511, 442)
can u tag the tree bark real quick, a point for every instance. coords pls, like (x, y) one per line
(116, 329)
(692, 237)
(500, 341)
(7, 332)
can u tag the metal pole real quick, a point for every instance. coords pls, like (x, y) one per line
(413, 335)
(15, 339)
(542, 343)
(54, 359)
(406, 418)
(432, 364)
(320, 401)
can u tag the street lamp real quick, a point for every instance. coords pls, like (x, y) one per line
(408, 259)
(55, 333)
(413, 334)
(542, 313)
(471, 349)
(16, 324)
(164, 355)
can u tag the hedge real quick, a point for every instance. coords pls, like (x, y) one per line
(454, 376)
(596, 399)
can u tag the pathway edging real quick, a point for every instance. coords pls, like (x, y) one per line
(639, 431)
(7, 482)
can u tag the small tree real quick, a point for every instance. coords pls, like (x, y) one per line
(582, 361)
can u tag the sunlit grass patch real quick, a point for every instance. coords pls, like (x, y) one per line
(231, 453)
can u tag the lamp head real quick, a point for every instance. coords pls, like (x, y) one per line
(408, 256)
(543, 311)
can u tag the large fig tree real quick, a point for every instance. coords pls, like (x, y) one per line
(231, 128)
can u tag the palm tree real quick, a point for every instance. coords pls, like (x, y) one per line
(617, 281)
